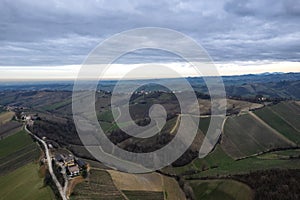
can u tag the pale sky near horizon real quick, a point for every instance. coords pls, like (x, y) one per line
(48, 40)
(70, 72)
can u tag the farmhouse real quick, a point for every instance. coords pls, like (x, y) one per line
(69, 160)
(73, 170)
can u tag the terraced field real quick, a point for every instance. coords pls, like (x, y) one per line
(99, 185)
(221, 189)
(144, 186)
(289, 112)
(278, 122)
(245, 135)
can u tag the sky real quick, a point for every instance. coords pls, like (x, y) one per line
(51, 39)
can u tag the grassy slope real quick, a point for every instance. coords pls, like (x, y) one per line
(19, 177)
(262, 162)
(244, 136)
(24, 183)
(218, 163)
(277, 122)
(221, 189)
(290, 112)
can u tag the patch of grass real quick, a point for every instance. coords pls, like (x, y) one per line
(204, 124)
(24, 183)
(214, 159)
(218, 163)
(221, 189)
(247, 165)
(107, 116)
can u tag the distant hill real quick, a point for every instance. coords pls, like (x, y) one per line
(275, 85)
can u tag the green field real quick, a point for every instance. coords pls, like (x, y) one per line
(217, 167)
(107, 116)
(290, 112)
(218, 163)
(14, 143)
(221, 189)
(214, 159)
(277, 122)
(16, 151)
(24, 183)
(19, 177)
(244, 136)
(203, 123)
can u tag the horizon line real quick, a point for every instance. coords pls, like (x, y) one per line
(136, 79)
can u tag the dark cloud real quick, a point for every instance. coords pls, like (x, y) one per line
(57, 32)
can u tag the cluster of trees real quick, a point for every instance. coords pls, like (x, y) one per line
(64, 133)
(281, 184)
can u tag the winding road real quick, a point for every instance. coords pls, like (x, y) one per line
(49, 161)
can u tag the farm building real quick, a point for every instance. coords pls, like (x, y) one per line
(59, 158)
(73, 170)
(80, 163)
(69, 160)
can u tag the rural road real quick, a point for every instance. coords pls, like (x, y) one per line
(49, 161)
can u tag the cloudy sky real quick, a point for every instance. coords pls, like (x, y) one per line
(50, 39)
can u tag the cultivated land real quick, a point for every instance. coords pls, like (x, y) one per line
(278, 122)
(221, 189)
(245, 135)
(218, 164)
(98, 185)
(136, 184)
(19, 171)
(9, 128)
(6, 117)
(289, 112)
(14, 143)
